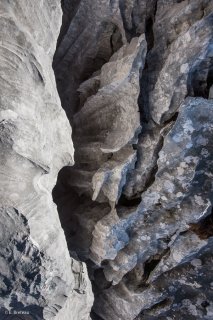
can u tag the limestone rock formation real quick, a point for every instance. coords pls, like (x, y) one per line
(37, 275)
(135, 79)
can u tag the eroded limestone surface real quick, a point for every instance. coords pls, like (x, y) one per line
(135, 78)
(37, 275)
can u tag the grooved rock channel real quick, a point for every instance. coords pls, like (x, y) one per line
(122, 228)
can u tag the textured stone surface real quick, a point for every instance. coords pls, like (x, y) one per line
(160, 225)
(137, 205)
(37, 274)
(135, 80)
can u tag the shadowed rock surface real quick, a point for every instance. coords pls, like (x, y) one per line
(135, 79)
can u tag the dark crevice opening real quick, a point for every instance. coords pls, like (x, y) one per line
(70, 221)
(204, 227)
(103, 55)
(200, 79)
(172, 118)
(151, 264)
(69, 11)
(99, 283)
(155, 8)
(126, 202)
(69, 82)
(143, 99)
(94, 316)
(209, 81)
(149, 34)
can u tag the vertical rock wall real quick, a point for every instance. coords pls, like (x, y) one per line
(37, 275)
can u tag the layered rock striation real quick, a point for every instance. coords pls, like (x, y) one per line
(37, 278)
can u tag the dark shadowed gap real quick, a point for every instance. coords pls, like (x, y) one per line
(94, 316)
(69, 74)
(65, 195)
(200, 79)
(66, 18)
(149, 33)
(203, 228)
(70, 204)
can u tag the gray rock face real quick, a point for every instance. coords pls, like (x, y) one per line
(135, 78)
(163, 227)
(37, 276)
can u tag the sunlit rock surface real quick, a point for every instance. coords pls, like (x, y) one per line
(37, 275)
